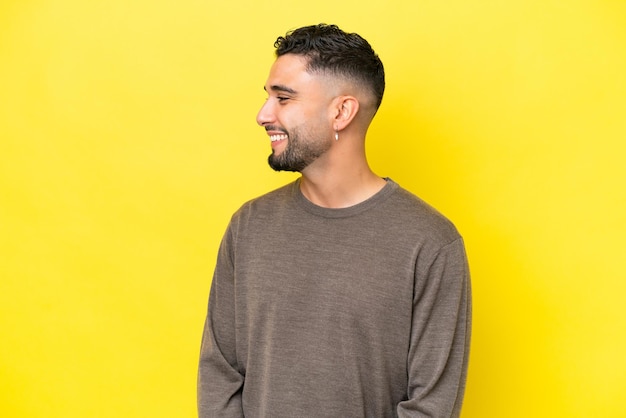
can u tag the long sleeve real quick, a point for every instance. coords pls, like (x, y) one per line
(219, 380)
(440, 336)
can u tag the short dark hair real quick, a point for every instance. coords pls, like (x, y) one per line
(330, 49)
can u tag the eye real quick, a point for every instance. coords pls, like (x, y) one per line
(282, 99)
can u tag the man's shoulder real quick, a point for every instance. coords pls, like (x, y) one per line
(267, 202)
(417, 214)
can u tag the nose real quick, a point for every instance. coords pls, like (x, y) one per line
(266, 114)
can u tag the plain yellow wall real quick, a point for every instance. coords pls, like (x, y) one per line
(127, 139)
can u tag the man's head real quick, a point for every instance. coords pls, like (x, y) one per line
(323, 84)
(329, 50)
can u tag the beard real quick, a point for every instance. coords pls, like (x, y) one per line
(302, 149)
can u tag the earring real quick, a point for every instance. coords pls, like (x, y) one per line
(336, 136)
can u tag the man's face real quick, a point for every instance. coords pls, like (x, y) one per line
(296, 114)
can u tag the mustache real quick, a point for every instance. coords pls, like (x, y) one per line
(276, 128)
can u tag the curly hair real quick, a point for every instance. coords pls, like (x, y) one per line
(331, 50)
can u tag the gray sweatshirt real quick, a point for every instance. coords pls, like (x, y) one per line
(356, 312)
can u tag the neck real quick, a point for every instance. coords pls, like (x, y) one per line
(340, 186)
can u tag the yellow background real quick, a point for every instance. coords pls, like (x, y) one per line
(127, 139)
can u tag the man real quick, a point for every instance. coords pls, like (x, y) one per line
(341, 294)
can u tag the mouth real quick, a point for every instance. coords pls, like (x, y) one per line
(277, 136)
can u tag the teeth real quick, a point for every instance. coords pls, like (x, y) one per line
(277, 137)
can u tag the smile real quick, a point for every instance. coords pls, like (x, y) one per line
(280, 137)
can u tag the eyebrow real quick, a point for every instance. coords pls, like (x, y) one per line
(280, 88)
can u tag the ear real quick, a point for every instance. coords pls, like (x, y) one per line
(344, 110)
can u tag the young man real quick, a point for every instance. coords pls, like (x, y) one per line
(341, 294)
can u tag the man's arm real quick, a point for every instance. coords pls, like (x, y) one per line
(219, 381)
(440, 336)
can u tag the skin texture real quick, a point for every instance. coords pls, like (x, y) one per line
(297, 106)
(310, 108)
